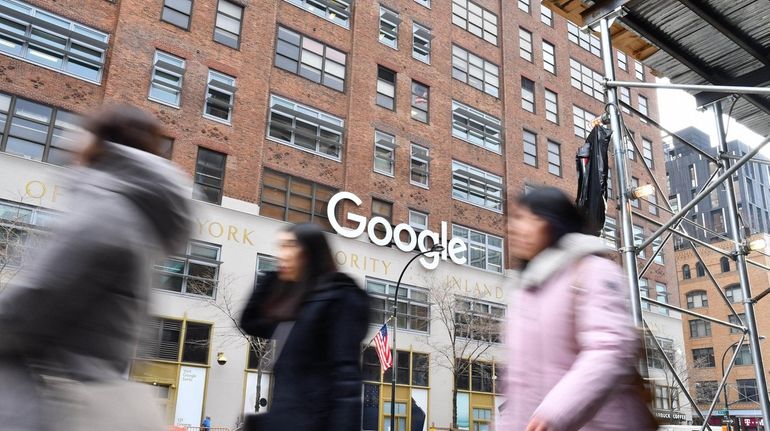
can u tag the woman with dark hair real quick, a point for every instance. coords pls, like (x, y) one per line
(572, 347)
(318, 317)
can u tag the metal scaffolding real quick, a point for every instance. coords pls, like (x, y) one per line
(726, 165)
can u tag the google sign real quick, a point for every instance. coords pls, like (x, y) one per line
(454, 248)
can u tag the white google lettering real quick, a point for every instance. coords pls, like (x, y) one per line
(454, 249)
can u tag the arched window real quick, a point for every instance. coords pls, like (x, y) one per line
(700, 271)
(734, 293)
(686, 272)
(697, 299)
(725, 264)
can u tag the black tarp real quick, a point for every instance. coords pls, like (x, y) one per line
(591, 164)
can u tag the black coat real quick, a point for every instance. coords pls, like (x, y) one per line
(318, 374)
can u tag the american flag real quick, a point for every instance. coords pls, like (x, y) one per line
(381, 345)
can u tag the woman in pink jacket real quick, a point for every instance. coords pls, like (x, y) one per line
(572, 347)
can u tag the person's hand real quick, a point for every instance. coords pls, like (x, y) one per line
(537, 424)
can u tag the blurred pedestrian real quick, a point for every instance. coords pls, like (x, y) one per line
(318, 317)
(572, 347)
(71, 318)
(206, 424)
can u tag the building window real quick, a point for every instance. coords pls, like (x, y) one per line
(662, 397)
(386, 88)
(549, 57)
(308, 58)
(657, 243)
(51, 41)
(296, 200)
(693, 176)
(724, 263)
(220, 97)
(418, 220)
(647, 153)
(476, 127)
(686, 272)
(639, 239)
(661, 295)
(622, 61)
(477, 187)
(587, 41)
(551, 106)
(639, 70)
(167, 77)
(625, 97)
(337, 11)
(475, 19)
(703, 358)
(384, 153)
(655, 358)
(177, 12)
(582, 120)
(482, 418)
(418, 368)
(478, 376)
(196, 272)
(644, 292)
(609, 182)
(227, 30)
(485, 251)
(700, 270)
(700, 328)
(265, 264)
(389, 21)
(166, 147)
(652, 206)
(747, 391)
(546, 16)
(413, 305)
(528, 95)
(744, 355)
(22, 227)
(524, 5)
(586, 79)
(420, 101)
(384, 210)
(475, 71)
(734, 294)
(479, 320)
(305, 128)
(635, 185)
(736, 320)
(697, 299)
(705, 392)
(610, 232)
(421, 38)
(161, 339)
(209, 176)
(425, 3)
(554, 158)
(529, 141)
(643, 108)
(419, 172)
(36, 131)
(525, 45)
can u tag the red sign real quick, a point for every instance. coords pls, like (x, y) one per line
(752, 422)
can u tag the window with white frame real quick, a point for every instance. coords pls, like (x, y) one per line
(524, 5)
(582, 120)
(389, 21)
(425, 3)
(698, 299)
(551, 106)
(634, 185)
(644, 292)
(643, 107)
(419, 170)
(305, 128)
(308, 58)
(647, 153)
(418, 220)
(625, 97)
(529, 141)
(265, 264)
(639, 70)
(662, 397)
(554, 158)
(52, 41)
(476, 127)
(220, 97)
(475, 71)
(587, 41)
(525, 45)
(622, 61)
(639, 239)
(420, 101)
(167, 78)
(22, 228)
(586, 79)
(386, 88)
(661, 295)
(734, 294)
(609, 183)
(549, 57)
(653, 204)
(384, 153)
(546, 16)
(421, 38)
(610, 232)
(195, 272)
(476, 186)
(475, 19)
(336, 11)
(177, 12)
(528, 94)
(413, 305)
(227, 29)
(656, 244)
(485, 251)
(209, 180)
(479, 320)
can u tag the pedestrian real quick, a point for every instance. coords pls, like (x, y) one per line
(69, 321)
(318, 317)
(572, 347)
(206, 424)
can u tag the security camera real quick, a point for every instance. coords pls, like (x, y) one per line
(221, 358)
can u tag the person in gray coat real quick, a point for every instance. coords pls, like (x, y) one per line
(74, 311)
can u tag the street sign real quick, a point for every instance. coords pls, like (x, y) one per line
(721, 412)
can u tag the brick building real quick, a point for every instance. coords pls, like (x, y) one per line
(428, 111)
